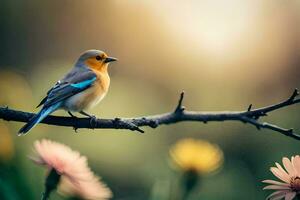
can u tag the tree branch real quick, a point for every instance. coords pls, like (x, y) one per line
(250, 116)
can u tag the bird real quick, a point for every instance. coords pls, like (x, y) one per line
(83, 87)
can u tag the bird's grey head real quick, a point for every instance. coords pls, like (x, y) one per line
(90, 54)
(94, 55)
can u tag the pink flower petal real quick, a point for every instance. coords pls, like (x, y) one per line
(290, 196)
(275, 182)
(288, 166)
(280, 174)
(276, 187)
(278, 196)
(296, 164)
(283, 171)
(73, 168)
(274, 194)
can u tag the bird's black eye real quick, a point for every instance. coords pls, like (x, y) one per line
(98, 58)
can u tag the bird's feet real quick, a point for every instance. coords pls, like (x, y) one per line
(75, 129)
(93, 118)
(86, 114)
(73, 116)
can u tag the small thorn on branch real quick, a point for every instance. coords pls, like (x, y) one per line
(180, 108)
(139, 130)
(249, 107)
(116, 120)
(119, 123)
(294, 95)
(290, 131)
(134, 127)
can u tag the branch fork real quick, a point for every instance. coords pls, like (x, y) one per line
(180, 108)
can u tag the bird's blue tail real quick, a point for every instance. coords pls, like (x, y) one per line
(38, 118)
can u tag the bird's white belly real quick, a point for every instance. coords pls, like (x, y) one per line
(83, 100)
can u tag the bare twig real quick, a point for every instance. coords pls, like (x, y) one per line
(249, 107)
(180, 108)
(250, 116)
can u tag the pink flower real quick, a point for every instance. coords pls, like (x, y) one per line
(76, 177)
(92, 189)
(290, 177)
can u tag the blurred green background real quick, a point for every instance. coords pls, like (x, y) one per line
(224, 54)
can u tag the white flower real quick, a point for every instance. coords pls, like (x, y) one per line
(76, 177)
(290, 177)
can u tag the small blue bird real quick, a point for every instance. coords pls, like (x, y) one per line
(82, 88)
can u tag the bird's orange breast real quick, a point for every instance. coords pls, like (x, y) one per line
(103, 81)
(99, 88)
(91, 96)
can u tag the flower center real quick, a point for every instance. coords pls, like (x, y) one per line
(295, 184)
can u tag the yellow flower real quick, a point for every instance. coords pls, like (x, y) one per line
(6, 144)
(199, 155)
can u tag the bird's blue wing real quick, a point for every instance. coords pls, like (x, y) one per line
(72, 84)
(45, 98)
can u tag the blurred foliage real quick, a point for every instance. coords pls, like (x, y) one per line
(224, 54)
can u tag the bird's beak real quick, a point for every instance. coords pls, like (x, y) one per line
(110, 59)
